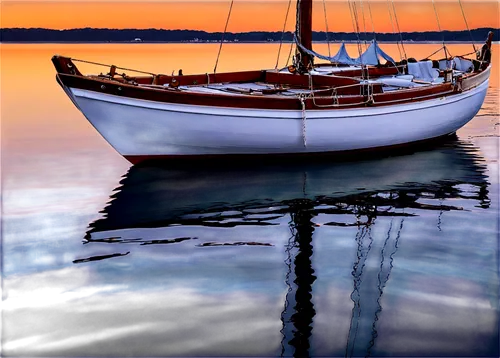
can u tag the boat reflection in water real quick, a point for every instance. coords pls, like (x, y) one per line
(229, 194)
(362, 213)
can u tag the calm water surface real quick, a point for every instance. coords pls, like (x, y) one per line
(386, 257)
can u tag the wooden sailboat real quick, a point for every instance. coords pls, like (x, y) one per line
(305, 108)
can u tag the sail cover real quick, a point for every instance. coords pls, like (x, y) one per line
(342, 56)
(372, 55)
(311, 52)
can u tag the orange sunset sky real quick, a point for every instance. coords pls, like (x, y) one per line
(247, 15)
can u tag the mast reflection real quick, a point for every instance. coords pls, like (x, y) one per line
(304, 309)
(258, 194)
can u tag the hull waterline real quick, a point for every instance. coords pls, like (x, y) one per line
(140, 129)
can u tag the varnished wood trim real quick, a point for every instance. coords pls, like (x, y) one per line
(353, 96)
(475, 79)
(250, 101)
(177, 96)
(413, 94)
(297, 80)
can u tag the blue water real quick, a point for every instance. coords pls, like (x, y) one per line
(394, 256)
(269, 260)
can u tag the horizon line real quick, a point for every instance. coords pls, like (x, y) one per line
(215, 32)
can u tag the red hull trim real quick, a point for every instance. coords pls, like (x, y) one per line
(323, 99)
(249, 101)
(347, 155)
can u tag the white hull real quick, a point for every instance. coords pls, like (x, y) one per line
(144, 128)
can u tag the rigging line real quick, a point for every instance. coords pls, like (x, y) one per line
(352, 17)
(297, 21)
(394, 30)
(440, 214)
(360, 49)
(467, 25)
(467, 54)
(355, 26)
(326, 27)
(396, 244)
(399, 30)
(371, 19)
(283, 33)
(435, 52)
(289, 53)
(117, 67)
(380, 287)
(439, 27)
(364, 21)
(354, 298)
(369, 232)
(357, 272)
(222, 39)
(356, 284)
(297, 34)
(383, 283)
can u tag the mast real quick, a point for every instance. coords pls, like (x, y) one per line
(304, 32)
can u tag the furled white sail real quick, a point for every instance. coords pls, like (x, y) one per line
(373, 55)
(342, 56)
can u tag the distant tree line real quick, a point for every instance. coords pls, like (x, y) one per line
(159, 35)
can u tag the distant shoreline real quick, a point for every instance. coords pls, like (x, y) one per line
(226, 43)
(153, 36)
